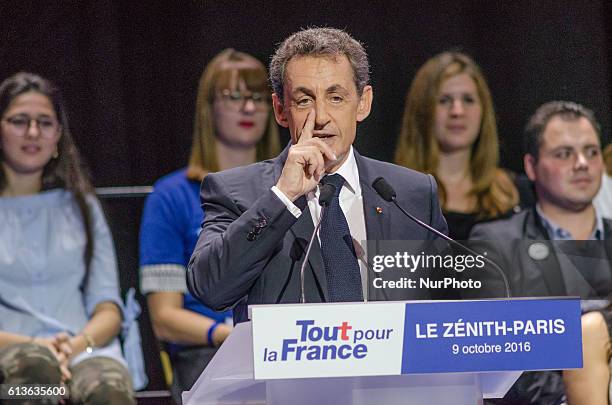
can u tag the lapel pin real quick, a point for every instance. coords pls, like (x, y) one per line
(378, 210)
(538, 251)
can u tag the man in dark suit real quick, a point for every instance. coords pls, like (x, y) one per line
(259, 218)
(559, 247)
(562, 245)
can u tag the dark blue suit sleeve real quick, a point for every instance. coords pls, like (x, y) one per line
(234, 245)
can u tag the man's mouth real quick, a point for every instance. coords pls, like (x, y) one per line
(316, 134)
(328, 138)
(581, 180)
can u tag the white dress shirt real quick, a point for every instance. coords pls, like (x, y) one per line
(603, 199)
(351, 203)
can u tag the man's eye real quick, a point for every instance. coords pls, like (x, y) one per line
(336, 99)
(303, 102)
(563, 154)
(592, 152)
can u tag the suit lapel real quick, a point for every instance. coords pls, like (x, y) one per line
(377, 213)
(378, 224)
(549, 266)
(302, 230)
(375, 210)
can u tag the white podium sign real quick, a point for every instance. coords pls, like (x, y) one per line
(327, 340)
(392, 353)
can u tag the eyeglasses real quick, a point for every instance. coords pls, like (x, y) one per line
(236, 100)
(20, 124)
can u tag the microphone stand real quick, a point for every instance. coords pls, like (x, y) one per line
(312, 238)
(385, 190)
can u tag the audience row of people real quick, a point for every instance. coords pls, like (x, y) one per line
(63, 318)
(449, 130)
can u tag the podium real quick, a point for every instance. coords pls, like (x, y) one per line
(389, 352)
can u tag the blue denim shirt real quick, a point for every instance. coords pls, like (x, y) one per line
(555, 232)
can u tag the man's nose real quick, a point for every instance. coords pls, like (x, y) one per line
(581, 161)
(322, 115)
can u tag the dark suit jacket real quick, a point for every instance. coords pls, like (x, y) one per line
(251, 246)
(508, 243)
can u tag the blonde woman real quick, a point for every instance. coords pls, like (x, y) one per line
(449, 130)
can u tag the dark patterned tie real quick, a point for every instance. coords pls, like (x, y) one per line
(341, 267)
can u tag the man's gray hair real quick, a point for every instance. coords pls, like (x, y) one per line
(320, 42)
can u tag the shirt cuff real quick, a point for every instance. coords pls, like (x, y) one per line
(288, 203)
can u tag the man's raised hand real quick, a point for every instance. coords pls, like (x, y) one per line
(305, 163)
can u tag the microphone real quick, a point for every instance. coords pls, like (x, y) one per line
(326, 193)
(386, 191)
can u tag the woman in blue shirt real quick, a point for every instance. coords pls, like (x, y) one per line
(60, 311)
(234, 126)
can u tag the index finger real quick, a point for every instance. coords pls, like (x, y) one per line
(306, 132)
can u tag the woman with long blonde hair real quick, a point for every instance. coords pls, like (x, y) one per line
(449, 130)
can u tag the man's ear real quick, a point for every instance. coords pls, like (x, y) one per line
(279, 111)
(365, 104)
(529, 162)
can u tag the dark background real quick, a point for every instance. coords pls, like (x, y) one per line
(129, 72)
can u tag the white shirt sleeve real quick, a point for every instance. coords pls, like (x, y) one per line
(288, 203)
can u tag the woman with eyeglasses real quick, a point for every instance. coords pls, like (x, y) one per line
(234, 126)
(60, 310)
